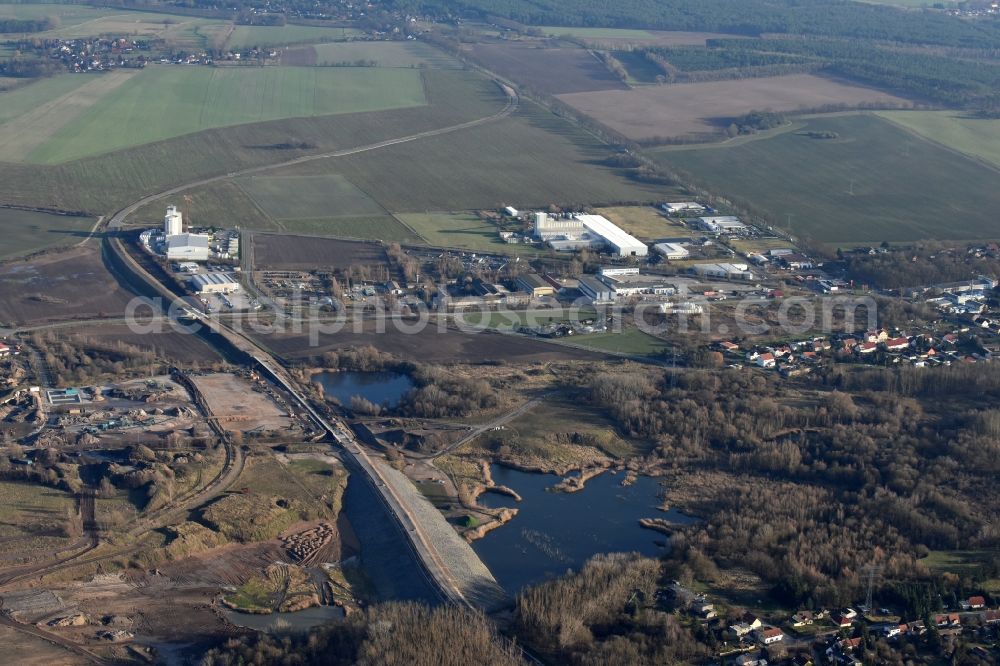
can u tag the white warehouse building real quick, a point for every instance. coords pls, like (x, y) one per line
(173, 222)
(187, 247)
(587, 231)
(214, 283)
(671, 250)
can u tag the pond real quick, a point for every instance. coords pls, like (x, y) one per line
(381, 388)
(297, 621)
(554, 532)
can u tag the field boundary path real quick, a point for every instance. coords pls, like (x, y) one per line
(513, 102)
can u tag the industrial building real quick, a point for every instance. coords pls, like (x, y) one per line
(628, 285)
(533, 284)
(187, 247)
(596, 290)
(725, 271)
(724, 224)
(683, 207)
(214, 283)
(173, 222)
(587, 231)
(671, 250)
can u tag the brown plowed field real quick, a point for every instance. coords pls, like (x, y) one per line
(698, 108)
(301, 253)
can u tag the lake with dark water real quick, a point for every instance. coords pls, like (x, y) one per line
(381, 388)
(297, 621)
(554, 532)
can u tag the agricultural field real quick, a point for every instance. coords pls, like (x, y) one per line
(694, 109)
(67, 285)
(308, 197)
(104, 183)
(382, 54)
(206, 97)
(244, 36)
(530, 159)
(221, 204)
(461, 230)
(976, 137)
(25, 231)
(875, 182)
(291, 253)
(28, 131)
(549, 70)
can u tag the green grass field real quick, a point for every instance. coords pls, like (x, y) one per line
(384, 54)
(376, 227)
(27, 231)
(630, 341)
(167, 101)
(875, 182)
(963, 562)
(263, 35)
(462, 230)
(977, 137)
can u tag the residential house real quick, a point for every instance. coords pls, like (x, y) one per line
(750, 659)
(802, 618)
(897, 344)
(769, 635)
(841, 621)
(947, 620)
(866, 348)
(879, 335)
(973, 603)
(4, 350)
(765, 360)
